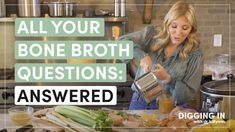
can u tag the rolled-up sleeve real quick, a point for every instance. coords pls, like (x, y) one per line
(186, 89)
(142, 40)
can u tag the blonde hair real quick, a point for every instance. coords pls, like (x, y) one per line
(163, 38)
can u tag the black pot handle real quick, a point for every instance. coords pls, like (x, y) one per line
(230, 76)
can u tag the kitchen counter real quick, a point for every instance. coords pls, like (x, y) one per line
(11, 127)
(216, 70)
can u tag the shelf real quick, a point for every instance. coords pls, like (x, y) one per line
(115, 19)
(7, 19)
(107, 19)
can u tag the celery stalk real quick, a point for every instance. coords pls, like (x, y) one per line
(78, 116)
(73, 124)
(83, 111)
(59, 122)
(95, 119)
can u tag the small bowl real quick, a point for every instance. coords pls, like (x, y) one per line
(131, 124)
(21, 115)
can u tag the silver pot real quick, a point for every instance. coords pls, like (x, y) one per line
(29, 8)
(148, 86)
(219, 97)
(61, 9)
(2, 8)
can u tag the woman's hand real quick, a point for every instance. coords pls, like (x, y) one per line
(161, 73)
(146, 63)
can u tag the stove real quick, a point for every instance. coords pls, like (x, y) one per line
(7, 84)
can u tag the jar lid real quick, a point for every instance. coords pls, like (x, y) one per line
(224, 87)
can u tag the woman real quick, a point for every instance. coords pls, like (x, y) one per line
(174, 50)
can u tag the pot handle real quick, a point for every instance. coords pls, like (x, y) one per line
(230, 76)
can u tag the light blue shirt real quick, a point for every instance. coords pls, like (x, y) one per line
(185, 74)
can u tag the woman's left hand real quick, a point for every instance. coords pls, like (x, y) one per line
(161, 73)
